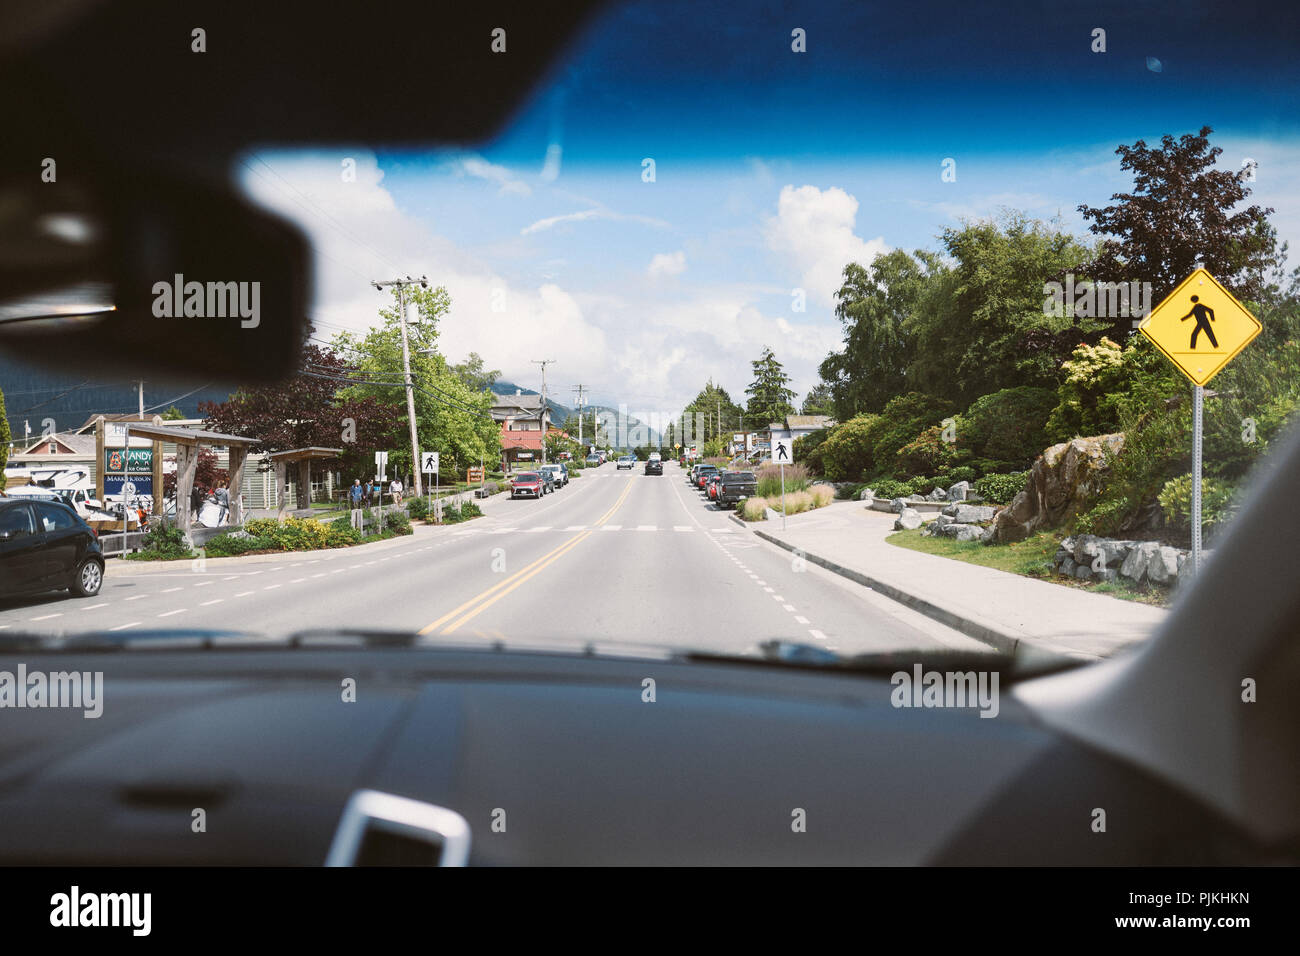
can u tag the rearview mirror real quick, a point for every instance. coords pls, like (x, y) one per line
(140, 273)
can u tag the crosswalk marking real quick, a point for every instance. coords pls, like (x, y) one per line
(646, 527)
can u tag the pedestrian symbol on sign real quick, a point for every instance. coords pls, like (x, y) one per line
(429, 462)
(781, 452)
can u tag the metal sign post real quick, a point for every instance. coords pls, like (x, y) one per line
(1198, 406)
(1220, 328)
(782, 467)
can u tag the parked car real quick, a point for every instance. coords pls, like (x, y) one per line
(711, 486)
(735, 486)
(527, 484)
(654, 467)
(558, 473)
(627, 461)
(703, 473)
(594, 461)
(46, 546)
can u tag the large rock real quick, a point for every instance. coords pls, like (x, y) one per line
(909, 520)
(937, 494)
(866, 494)
(1088, 547)
(1162, 566)
(1139, 556)
(897, 505)
(1063, 482)
(961, 532)
(959, 491)
(972, 514)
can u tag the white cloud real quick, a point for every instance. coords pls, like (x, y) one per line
(480, 168)
(667, 264)
(597, 212)
(813, 230)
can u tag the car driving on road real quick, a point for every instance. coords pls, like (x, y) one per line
(654, 467)
(627, 461)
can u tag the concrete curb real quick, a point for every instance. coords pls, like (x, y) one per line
(979, 630)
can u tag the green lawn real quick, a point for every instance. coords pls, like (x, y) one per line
(1031, 558)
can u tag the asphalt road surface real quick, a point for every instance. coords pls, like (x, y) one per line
(613, 557)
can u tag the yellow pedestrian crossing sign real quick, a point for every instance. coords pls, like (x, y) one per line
(1200, 327)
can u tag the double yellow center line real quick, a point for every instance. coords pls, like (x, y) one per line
(481, 602)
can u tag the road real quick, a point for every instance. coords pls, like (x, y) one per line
(615, 556)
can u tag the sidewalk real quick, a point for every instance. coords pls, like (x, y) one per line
(996, 607)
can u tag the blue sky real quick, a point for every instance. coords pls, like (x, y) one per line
(772, 169)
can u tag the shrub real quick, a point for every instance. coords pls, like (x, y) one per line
(470, 510)
(845, 455)
(164, 540)
(754, 509)
(225, 546)
(902, 420)
(890, 488)
(849, 492)
(418, 508)
(397, 521)
(808, 450)
(925, 454)
(1217, 502)
(1105, 518)
(798, 502)
(1010, 425)
(769, 479)
(822, 495)
(1088, 401)
(1001, 488)
(340, 534)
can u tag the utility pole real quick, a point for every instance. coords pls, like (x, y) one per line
(578, 389)
(543, 363)
(141, 381)
(401, 284)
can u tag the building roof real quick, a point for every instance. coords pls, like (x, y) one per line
(808, 421)
(188, 436)
(77, 444)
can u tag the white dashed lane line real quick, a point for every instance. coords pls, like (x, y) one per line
(123, 627)
(213, 601)
(170, 613)
(46, 617)
(244, 593)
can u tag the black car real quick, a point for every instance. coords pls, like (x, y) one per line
(654, 467)
(734, 486)
(46, 546)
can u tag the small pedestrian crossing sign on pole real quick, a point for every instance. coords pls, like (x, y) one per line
(429, 462)
(783, 451)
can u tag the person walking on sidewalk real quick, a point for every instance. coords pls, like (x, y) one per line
(395, 489)
(355, 493)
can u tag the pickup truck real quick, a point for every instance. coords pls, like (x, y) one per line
(735, 485)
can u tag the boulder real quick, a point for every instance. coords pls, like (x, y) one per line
(908, 520)
(1063, 482)
(1088, 547)
(937, 494)
(959, 491)
(961, 532)
(1162, 566)
(1109, 574)
(971, 514)
(866, 494)
(1067, 567)
(1082, 572)
(942, 520)
(897, 505)
(1135, 563)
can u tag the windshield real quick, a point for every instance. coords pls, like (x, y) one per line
(902, 269)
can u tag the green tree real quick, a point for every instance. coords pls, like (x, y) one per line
(819, 401)
(874, 305)
(1179, 214)
(981, 327)
(451, 418)
(474, 375)
(770, 397)
(1009, 426)
(706, 408)
(846, 452)
(5, 438)
(173, 414)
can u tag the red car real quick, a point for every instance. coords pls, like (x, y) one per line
(703, 474)
(714, 482)
(527, 484)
